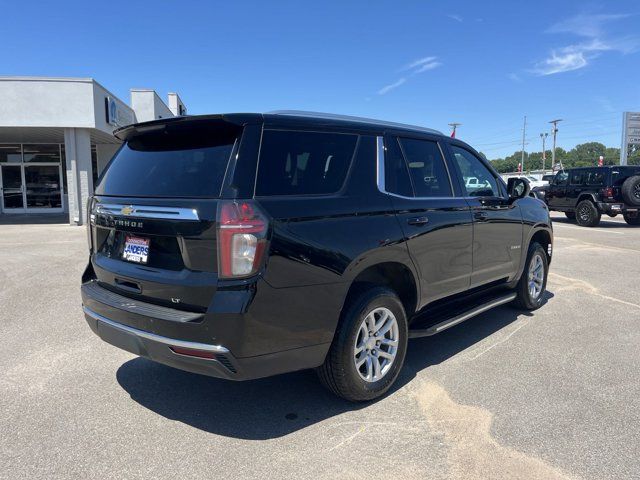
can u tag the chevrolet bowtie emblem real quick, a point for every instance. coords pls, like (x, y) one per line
(128, 210)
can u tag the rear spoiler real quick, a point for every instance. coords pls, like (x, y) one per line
(128, 131)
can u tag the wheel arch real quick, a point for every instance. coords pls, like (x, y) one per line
(586, 196)
(541, 233)
(392, 274)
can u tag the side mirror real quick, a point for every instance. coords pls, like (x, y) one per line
(518, 188)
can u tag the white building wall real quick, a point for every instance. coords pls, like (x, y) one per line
(175, 104)
(77, 144)
(37, 102)
(148, 105)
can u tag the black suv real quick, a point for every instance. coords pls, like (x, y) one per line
(584, 194)
(246, 245)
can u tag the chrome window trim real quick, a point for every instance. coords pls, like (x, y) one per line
(153, 337)
(147, 211)
(380, 174)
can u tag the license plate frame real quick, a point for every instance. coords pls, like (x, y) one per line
(136, 249)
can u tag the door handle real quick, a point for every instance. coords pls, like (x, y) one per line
(482, 216)
(418, 221)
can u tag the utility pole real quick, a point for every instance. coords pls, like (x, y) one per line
(554, 132)
(524, 131)
(454, 125)
(544, 136)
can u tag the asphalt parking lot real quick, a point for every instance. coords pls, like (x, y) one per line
(553, 394)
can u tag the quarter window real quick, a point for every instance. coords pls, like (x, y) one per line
(426, 168)
(396, 174)
(303, 163)
(478, 179)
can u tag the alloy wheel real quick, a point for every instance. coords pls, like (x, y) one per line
(376, 344)
(536, 276)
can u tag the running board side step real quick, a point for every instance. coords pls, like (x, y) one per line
(450, 322)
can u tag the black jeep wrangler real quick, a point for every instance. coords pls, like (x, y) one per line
(246, 245)
(584, 194)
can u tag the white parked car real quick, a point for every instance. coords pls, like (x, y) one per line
(473, 182)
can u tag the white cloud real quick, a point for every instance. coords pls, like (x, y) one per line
(514, 76)
(563, 62)
(420, 65)
(579, 55)
(455, 17)
(391, 86)
(586, 25)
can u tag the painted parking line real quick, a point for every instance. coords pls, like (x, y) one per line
(586, 229)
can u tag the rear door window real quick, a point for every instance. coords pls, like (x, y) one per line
(184, 161)
(426, 168)
(595, 177)
(303, 163)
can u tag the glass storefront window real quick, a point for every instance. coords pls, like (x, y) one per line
(42, 152)
(42, 184)
(10, 154)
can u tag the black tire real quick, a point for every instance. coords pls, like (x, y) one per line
(525, 299)
(339, 373)
(631, 190)
(635, 221)
(612, 215)
(587, 214)
(570, 215)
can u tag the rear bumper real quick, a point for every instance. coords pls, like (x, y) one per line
(223, 364)
(618, 208)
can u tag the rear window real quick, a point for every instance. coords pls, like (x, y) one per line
(303, 163)
(174, 161)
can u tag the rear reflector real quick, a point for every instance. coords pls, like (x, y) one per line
(192, 352)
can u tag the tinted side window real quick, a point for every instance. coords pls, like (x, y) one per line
(396, 175)
(577, 177)
(303, 163)
(426, 168)
(595, 177)
(561, 178)
(478, 179)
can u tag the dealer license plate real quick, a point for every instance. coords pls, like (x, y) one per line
(136, 249)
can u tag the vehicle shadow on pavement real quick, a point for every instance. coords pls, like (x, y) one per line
(276, 406)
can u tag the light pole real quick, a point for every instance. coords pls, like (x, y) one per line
(524, 132)
(544, 136)
(554, 131)
(454, 125)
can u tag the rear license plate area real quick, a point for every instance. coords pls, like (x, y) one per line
(136, 249)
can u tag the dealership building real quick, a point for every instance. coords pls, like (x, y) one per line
(56, 136)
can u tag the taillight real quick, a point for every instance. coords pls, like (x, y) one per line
(91, 220)
(607, 192)
(242, 231)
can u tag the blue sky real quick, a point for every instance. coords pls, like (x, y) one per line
(484, 64)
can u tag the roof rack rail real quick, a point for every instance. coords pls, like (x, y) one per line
(350, 118)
